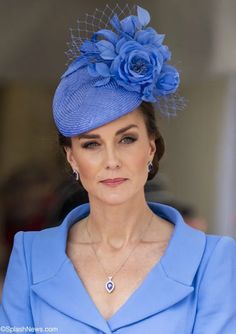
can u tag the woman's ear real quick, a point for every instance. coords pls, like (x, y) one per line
(152, 148)
(70, 157)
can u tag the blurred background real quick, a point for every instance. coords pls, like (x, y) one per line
(198, 172)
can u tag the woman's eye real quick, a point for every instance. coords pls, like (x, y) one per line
(129, 139)
(126, 140)
(90, 145)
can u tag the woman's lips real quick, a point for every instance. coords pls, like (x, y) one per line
(113, 182)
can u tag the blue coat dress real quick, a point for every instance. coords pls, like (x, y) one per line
(192, 289)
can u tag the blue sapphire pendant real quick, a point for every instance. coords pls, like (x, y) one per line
(110, 286)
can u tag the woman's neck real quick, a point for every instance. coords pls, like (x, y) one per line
(117, 226)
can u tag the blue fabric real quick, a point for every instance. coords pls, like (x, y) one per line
(192, 289)
(121, 65)
(79, 106)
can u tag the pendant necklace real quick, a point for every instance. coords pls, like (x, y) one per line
(109, 284)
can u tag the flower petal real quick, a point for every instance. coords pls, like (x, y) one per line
(120, 43)
(165, 52)
(102, 82)
(148, 94)
(168, 81)
(88, 47)
(129, 47)
(108, 55)
(115, 22)
(102, 69)
(143, 16)
(128, 86)
(108, 34)
(130, 24)
(107, 50)
(92, 70)
(104, 45)
(149, 36)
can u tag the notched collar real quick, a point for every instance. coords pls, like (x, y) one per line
(56, 281)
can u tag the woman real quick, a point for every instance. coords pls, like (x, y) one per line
(118, 263)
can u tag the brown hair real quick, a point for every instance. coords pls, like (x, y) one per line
(148, 112)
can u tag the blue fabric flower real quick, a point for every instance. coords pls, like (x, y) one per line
(133, 55)
(168, 80)
(136, 65)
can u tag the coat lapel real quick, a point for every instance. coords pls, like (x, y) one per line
(56, 281)
(66, 293)
(157, 293)
(170, 280)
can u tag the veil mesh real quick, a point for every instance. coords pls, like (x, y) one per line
(168, 105)
(91, 23)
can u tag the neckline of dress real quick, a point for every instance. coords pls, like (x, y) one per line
(147, 277)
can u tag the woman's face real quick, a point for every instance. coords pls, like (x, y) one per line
(119, 149)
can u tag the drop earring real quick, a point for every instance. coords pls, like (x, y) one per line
(150, 166)
(76, 174)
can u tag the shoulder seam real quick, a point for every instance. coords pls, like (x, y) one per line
(208, 261)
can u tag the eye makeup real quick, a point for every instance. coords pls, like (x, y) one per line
(129, 140)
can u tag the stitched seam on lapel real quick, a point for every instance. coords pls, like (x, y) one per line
(26, 264)
(202, 277)
(54, 274)
(27, 271)
(207, 263)
(171, 278)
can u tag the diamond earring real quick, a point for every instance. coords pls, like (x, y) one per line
(150, 166)
(76, 174)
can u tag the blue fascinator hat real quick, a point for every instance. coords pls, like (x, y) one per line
(122, 63)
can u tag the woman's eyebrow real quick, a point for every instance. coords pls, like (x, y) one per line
(92, 136)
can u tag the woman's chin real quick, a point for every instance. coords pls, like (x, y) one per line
(115, 199)
(112, 198)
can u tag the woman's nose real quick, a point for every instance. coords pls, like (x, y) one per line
(112, 159)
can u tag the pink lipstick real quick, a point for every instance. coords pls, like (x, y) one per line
(114, 182)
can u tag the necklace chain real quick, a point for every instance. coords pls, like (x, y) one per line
(123, 263)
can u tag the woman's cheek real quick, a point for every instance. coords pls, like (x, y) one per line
(140, 157)
(88, 164)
